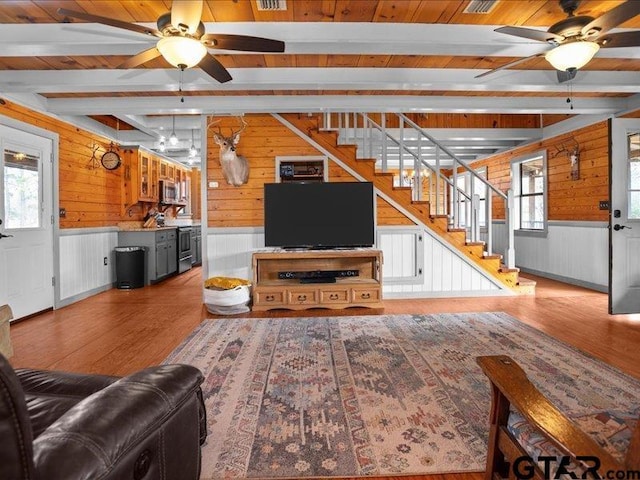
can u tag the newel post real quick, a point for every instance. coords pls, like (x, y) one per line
(510, 253)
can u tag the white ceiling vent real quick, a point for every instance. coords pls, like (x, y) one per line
(272, 5)
(480, 6)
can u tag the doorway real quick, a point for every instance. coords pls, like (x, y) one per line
(26, 231)
(624, 226)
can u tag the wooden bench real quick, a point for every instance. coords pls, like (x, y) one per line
(5, 340)
(512, 390)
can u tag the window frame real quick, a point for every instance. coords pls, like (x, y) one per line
(516, 184)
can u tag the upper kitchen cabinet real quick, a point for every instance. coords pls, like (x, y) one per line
(146, 173)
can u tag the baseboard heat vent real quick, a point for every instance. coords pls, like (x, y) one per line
(272, 5)
(480, 6)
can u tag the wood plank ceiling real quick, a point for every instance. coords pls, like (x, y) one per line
(352, 54)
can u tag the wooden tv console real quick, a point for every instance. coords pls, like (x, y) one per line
(271, 292)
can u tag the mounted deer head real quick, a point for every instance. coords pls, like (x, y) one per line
(235, 168)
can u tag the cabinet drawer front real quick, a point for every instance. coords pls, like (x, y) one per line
(172, 234)
(302, 297)
(161, 236)
(334, 296)
(364, 295)
(268, 298)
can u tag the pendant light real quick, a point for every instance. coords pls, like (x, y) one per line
(173, 139)
(192, 151)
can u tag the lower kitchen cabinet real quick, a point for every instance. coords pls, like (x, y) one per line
(161, 255)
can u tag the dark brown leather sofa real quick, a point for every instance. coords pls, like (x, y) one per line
(56, 425)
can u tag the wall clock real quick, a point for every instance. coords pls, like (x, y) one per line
(110, 159)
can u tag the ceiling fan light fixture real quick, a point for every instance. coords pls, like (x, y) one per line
(572, 55)
(181, 52)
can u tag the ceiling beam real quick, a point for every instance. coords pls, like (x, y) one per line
(315, 79)
(345, 103)
(338, 38)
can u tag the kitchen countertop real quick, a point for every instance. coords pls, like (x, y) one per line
(150, 229)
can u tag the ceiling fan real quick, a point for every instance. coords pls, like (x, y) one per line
(577, 38)
(182, 40)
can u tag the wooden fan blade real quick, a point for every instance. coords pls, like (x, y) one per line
(214, 68)
(244, 43)
(613, 17)
(186, 14)
(531, 34)
(620, 39)
(140, 58)
(510, 64)
(110, 21)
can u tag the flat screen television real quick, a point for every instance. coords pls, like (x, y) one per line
(319, 215)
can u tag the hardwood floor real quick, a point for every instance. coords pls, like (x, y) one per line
(119, 331)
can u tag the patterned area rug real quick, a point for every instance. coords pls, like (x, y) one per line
(372, 395)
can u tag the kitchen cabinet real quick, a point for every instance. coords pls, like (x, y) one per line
(161, 250)
(196, 245)
(143, 171)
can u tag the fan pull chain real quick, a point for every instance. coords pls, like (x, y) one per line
(180, 84)
(570, 98)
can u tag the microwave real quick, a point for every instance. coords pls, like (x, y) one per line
(168, 191)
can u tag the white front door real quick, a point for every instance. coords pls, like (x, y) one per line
(26, 231)
(624, 282)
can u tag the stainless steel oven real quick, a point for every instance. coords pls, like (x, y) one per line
(184, 249)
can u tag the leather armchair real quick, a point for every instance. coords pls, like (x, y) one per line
(56, 425)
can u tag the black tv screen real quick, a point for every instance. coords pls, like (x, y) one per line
(319, 215)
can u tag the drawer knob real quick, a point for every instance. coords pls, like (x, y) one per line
(333, 296)
(365, 295)
(302, 298)
(269, 298)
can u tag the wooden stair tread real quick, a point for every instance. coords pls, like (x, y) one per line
(526, 281)
(505, 269)
(474, 243)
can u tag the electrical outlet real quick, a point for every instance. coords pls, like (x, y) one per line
(106, 261)
(213, 184)
(63, 212)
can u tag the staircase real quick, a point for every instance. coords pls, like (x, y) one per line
(451, 213)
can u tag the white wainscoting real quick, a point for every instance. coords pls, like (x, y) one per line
(82, 269)
(442, 273)
(572, 252)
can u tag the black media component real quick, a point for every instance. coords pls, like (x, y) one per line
(319, 215)
(317, 274)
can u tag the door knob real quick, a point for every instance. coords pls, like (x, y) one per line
(2, 235)
(617, 227)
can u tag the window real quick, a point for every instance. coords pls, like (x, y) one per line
(529, 183)
(21, 190)
(634, 176)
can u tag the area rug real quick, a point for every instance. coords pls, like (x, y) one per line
(372, 395)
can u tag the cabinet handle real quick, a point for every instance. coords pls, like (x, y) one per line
(269, 298)
(302, 298)
(365, 295)
(333, 296)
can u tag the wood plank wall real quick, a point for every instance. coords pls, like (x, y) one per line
(90, 196)
(261, 142)
(567, 199)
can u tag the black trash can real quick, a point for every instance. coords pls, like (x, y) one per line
(130, 267)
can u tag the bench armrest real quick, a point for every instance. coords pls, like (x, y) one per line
(511, 382)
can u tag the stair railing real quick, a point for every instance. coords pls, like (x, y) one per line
(446, 197)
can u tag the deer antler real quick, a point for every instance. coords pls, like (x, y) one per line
(211, 124)
(244, 125)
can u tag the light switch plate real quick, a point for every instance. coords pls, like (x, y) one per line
(213, 184)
